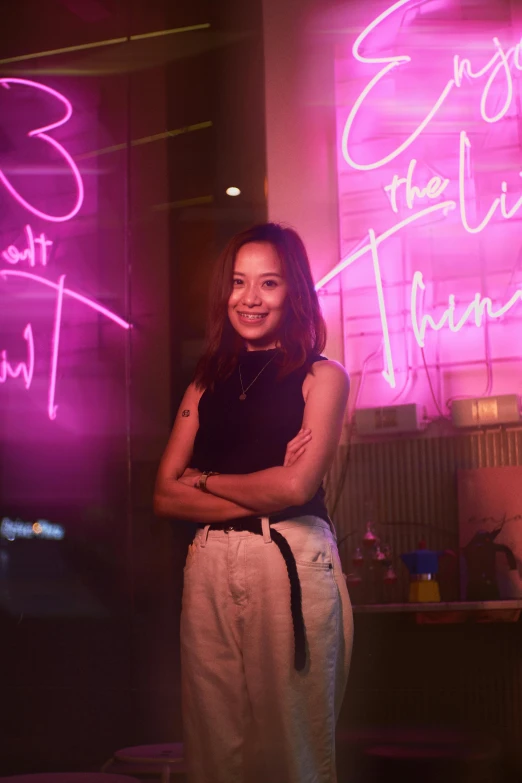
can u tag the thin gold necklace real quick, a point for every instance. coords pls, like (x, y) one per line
(244, 391)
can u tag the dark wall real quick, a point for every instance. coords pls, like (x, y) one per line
(162, 124)
(223, 84)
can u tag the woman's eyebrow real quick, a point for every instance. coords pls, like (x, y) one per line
(264, 274)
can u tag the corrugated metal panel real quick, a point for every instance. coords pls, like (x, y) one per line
(411, 485)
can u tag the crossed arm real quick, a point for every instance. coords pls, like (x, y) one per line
(263, 492)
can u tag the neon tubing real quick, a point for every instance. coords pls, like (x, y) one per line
(388, 372)
(68, 292)
(41, 133)
(55, 341)
(460, 68)
(23, 369)
(480, 306)
(55, 345)
(444, 206)
(13, 256)
(435, 187)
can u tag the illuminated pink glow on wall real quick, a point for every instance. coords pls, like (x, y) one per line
(501, 61)
(13, 255)
(437, 290)
(61, 292)
(57, 329)
(433, 190)
(36, 252)
(362, 249)
(41, 133)
(435, 187)
(388, 373)
(479, 307)
(5, 273)
(25, 369)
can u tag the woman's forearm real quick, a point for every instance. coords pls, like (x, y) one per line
(266, 491)
(174, 499)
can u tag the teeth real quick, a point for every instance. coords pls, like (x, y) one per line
(252, 317)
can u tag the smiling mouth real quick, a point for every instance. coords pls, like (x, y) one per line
(252, 316)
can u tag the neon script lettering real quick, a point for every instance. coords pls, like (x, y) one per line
(478, 308)
(43, 136)
(35, 252)
(61, 292)
(435, 187)
(23, 369)
(500, 63)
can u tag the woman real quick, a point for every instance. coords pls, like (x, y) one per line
(266, 624)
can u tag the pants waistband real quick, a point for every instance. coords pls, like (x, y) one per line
(253, 525)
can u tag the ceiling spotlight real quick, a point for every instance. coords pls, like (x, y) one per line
(232, 191)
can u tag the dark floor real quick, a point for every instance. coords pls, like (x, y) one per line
(391, 755)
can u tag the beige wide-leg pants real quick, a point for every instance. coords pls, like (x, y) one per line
(248, 715)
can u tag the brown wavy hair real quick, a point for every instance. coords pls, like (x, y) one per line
(303, 330)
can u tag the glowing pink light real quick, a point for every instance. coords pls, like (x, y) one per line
(509, 81)
(460, 67)
(480, 306)
(435, 187)
(362, 249)
(25, 369)
(390, 64)
(41, 133)
(372, 246)
(463, 67)
(506, 213)
(55, 343)
(388, 372)
(68, 292)
(13, 255)
(61, 291)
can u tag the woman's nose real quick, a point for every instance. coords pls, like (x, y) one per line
(251, 295)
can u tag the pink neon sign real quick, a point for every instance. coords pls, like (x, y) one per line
(25, 369)
(42, 135)
(500, 62)
(407, 198)
(36, 253)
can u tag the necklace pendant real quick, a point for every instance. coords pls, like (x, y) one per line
(242, 396)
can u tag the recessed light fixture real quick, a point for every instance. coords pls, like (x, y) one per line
(232, 191)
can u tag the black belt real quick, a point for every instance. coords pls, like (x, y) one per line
(296, 607)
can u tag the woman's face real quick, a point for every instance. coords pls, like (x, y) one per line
(256, 304)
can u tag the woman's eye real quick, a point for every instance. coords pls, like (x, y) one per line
(237, 281)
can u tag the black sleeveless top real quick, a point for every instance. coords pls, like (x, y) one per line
(244, 436)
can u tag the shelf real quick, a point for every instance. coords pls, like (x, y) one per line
(450, 612)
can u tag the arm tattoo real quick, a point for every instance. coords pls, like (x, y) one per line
(186, 412)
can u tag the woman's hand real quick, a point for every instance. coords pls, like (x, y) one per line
(296, 447)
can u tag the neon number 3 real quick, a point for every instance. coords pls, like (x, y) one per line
(42, 133)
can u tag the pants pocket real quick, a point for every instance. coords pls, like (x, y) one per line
(310, 545)
(192, 552)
